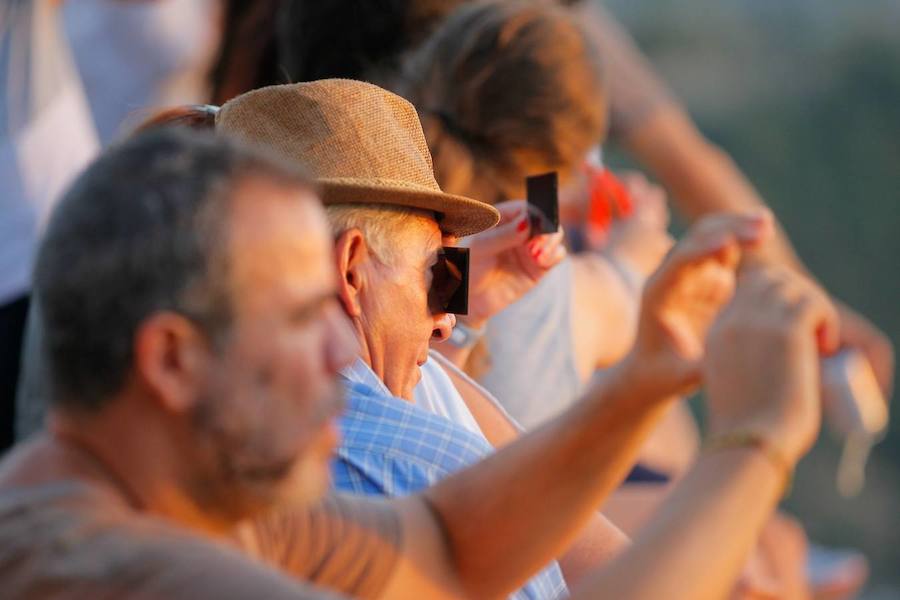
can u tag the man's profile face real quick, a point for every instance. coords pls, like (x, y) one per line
(265, 422)
(396, 319)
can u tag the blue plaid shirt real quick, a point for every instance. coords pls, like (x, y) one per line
(393, 448)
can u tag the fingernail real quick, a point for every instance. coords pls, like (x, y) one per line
(522, 226)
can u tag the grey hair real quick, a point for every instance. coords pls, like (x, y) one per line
(380, 224)
(144, 229)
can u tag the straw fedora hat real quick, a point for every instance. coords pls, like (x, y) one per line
(362, 143)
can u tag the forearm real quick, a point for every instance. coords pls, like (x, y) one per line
(525, 505)
(599, 542)
(457, 355)
(633, 505)
(701, 177)
(694, 547)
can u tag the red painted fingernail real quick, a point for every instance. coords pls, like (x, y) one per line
(522, 226)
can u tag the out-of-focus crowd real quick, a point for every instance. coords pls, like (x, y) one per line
(278, 321)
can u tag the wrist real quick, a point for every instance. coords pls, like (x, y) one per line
(753, 441)
(777, 431)
(636, 379)
(464, 336)
(655, 375)
(474, 322)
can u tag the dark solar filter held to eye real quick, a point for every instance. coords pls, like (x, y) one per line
(543, 202)
(449, 291)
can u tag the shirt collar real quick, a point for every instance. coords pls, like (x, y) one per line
(360, 372)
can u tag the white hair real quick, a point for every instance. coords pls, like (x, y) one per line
(382, 225)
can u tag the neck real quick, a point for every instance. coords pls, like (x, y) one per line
(366, 353)
(373, 354)
(142, 465)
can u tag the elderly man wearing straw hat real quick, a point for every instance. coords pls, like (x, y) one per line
(398, 283)
(201, 411)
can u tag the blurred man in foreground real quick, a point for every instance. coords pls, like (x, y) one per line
(193, 340)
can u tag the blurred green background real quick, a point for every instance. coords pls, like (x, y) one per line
(805, 95)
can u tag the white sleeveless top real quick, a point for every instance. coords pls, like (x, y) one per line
(533, 372)
(436, 393)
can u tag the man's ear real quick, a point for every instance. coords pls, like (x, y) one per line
(171, 359)
(352, 255)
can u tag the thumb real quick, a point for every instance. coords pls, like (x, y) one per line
(722, 237)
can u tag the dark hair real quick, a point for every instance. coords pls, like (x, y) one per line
(247, 56)
(201, 117)
(143, 229)
(269, 42)
(353, 39)
(503, 89)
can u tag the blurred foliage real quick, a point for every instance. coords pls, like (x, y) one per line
(805, 96)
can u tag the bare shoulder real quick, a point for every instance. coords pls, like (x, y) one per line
(68, 539)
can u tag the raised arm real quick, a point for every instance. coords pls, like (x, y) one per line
(701, 177)
(762, 383)
(506, 517)
(600, 540)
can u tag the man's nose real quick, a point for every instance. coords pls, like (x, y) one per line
(443, 325)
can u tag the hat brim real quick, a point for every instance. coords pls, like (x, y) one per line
(456, 215)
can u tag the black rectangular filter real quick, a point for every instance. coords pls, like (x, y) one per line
(450, 282)
(543, 202)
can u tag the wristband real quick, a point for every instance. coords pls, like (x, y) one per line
(464, 336)
(755, 440)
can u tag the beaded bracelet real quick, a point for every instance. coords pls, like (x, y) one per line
(753, 439)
